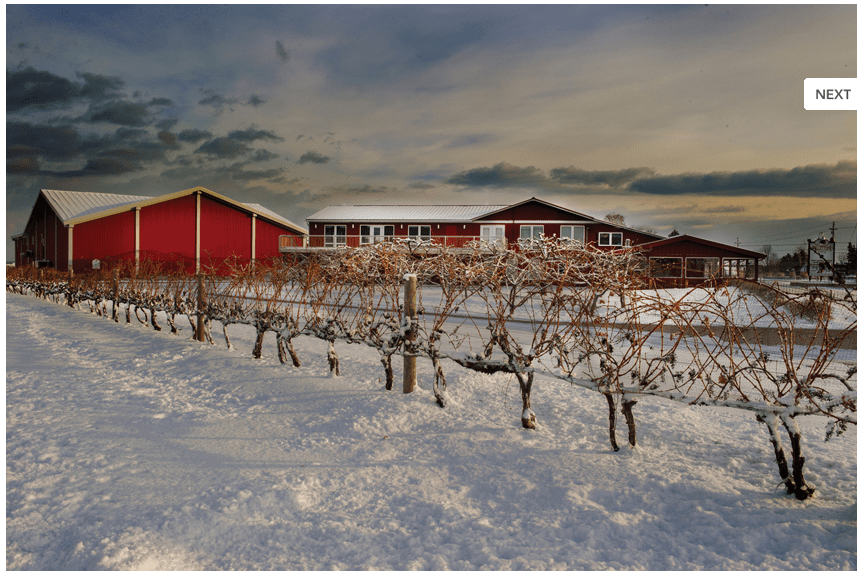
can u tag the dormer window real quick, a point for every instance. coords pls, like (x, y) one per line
(610, 239)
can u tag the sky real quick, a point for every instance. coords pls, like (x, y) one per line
(685, 117)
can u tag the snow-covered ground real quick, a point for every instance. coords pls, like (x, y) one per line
(133, 449)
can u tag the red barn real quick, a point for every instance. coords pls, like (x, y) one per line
(72, 230)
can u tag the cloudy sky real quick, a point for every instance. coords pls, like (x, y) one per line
(685, 117)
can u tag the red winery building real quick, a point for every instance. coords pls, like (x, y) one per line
(455, 226)
(69, 230)
(677, 261)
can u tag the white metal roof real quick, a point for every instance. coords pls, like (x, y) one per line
(70, 205)
(402, 213)
(260, 210)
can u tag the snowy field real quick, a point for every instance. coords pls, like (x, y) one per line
(133, 449)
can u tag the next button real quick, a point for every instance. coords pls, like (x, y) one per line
(830, 94)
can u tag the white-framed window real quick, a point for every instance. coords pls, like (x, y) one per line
(574, 233)
(374, 234)
(665, 267)
(419, 232)
(531, 232)
(334, 236)
(493, 234)
(702, 267)
(737, 268)
(610, 239)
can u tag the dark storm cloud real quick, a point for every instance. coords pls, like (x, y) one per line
(248, 175)
(314, 158)
(837, 181)
(219, 102)
(166, 124)
(831, 181)
(105, 167)
(263, 156)
(52, 142)
(194, 135)
(22, 165)
(160, 102)
(252, 134)
(281, 51)
(501, 175)
(612, 178)
(421, 186)
(167, 137)
(126, 150)
(216, 100)
(122, 113)
(255, 101)
(29, 87)
(223, 147)
(97, 87)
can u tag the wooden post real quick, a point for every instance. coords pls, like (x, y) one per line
(410, 379)
(199, 334)
(69, 301)
(115, 312)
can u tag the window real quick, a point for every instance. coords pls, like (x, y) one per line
(666, 267)
(493, 234)
(531, 232)
(610, 239)
(371, 234)
(737, 268)
(575, 233)
(419, 232)
(335, 236)
(702, 267)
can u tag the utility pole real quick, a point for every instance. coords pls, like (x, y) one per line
(833, 246)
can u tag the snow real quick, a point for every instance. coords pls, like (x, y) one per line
(134, 449)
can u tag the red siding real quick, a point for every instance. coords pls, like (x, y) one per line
(266, 239)
(224, 231)
(692, 250)
(44, 236)
(534, 211)
(62, 247)
(106, 239)
(637, 238)
(167, 230)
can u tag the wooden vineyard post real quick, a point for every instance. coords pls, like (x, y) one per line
(115, 288)
(199, 334)
(69, 300)
(410, 314)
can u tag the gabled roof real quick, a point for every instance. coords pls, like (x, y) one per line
(266, 212)
(70, 205)
(572, 212)
(402, 213)
(540, 201)
(78, 207)
(703, 241)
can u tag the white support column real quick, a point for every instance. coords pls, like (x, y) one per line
(197, 236)
(137, 236)
(253, 238)
(71, 251)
